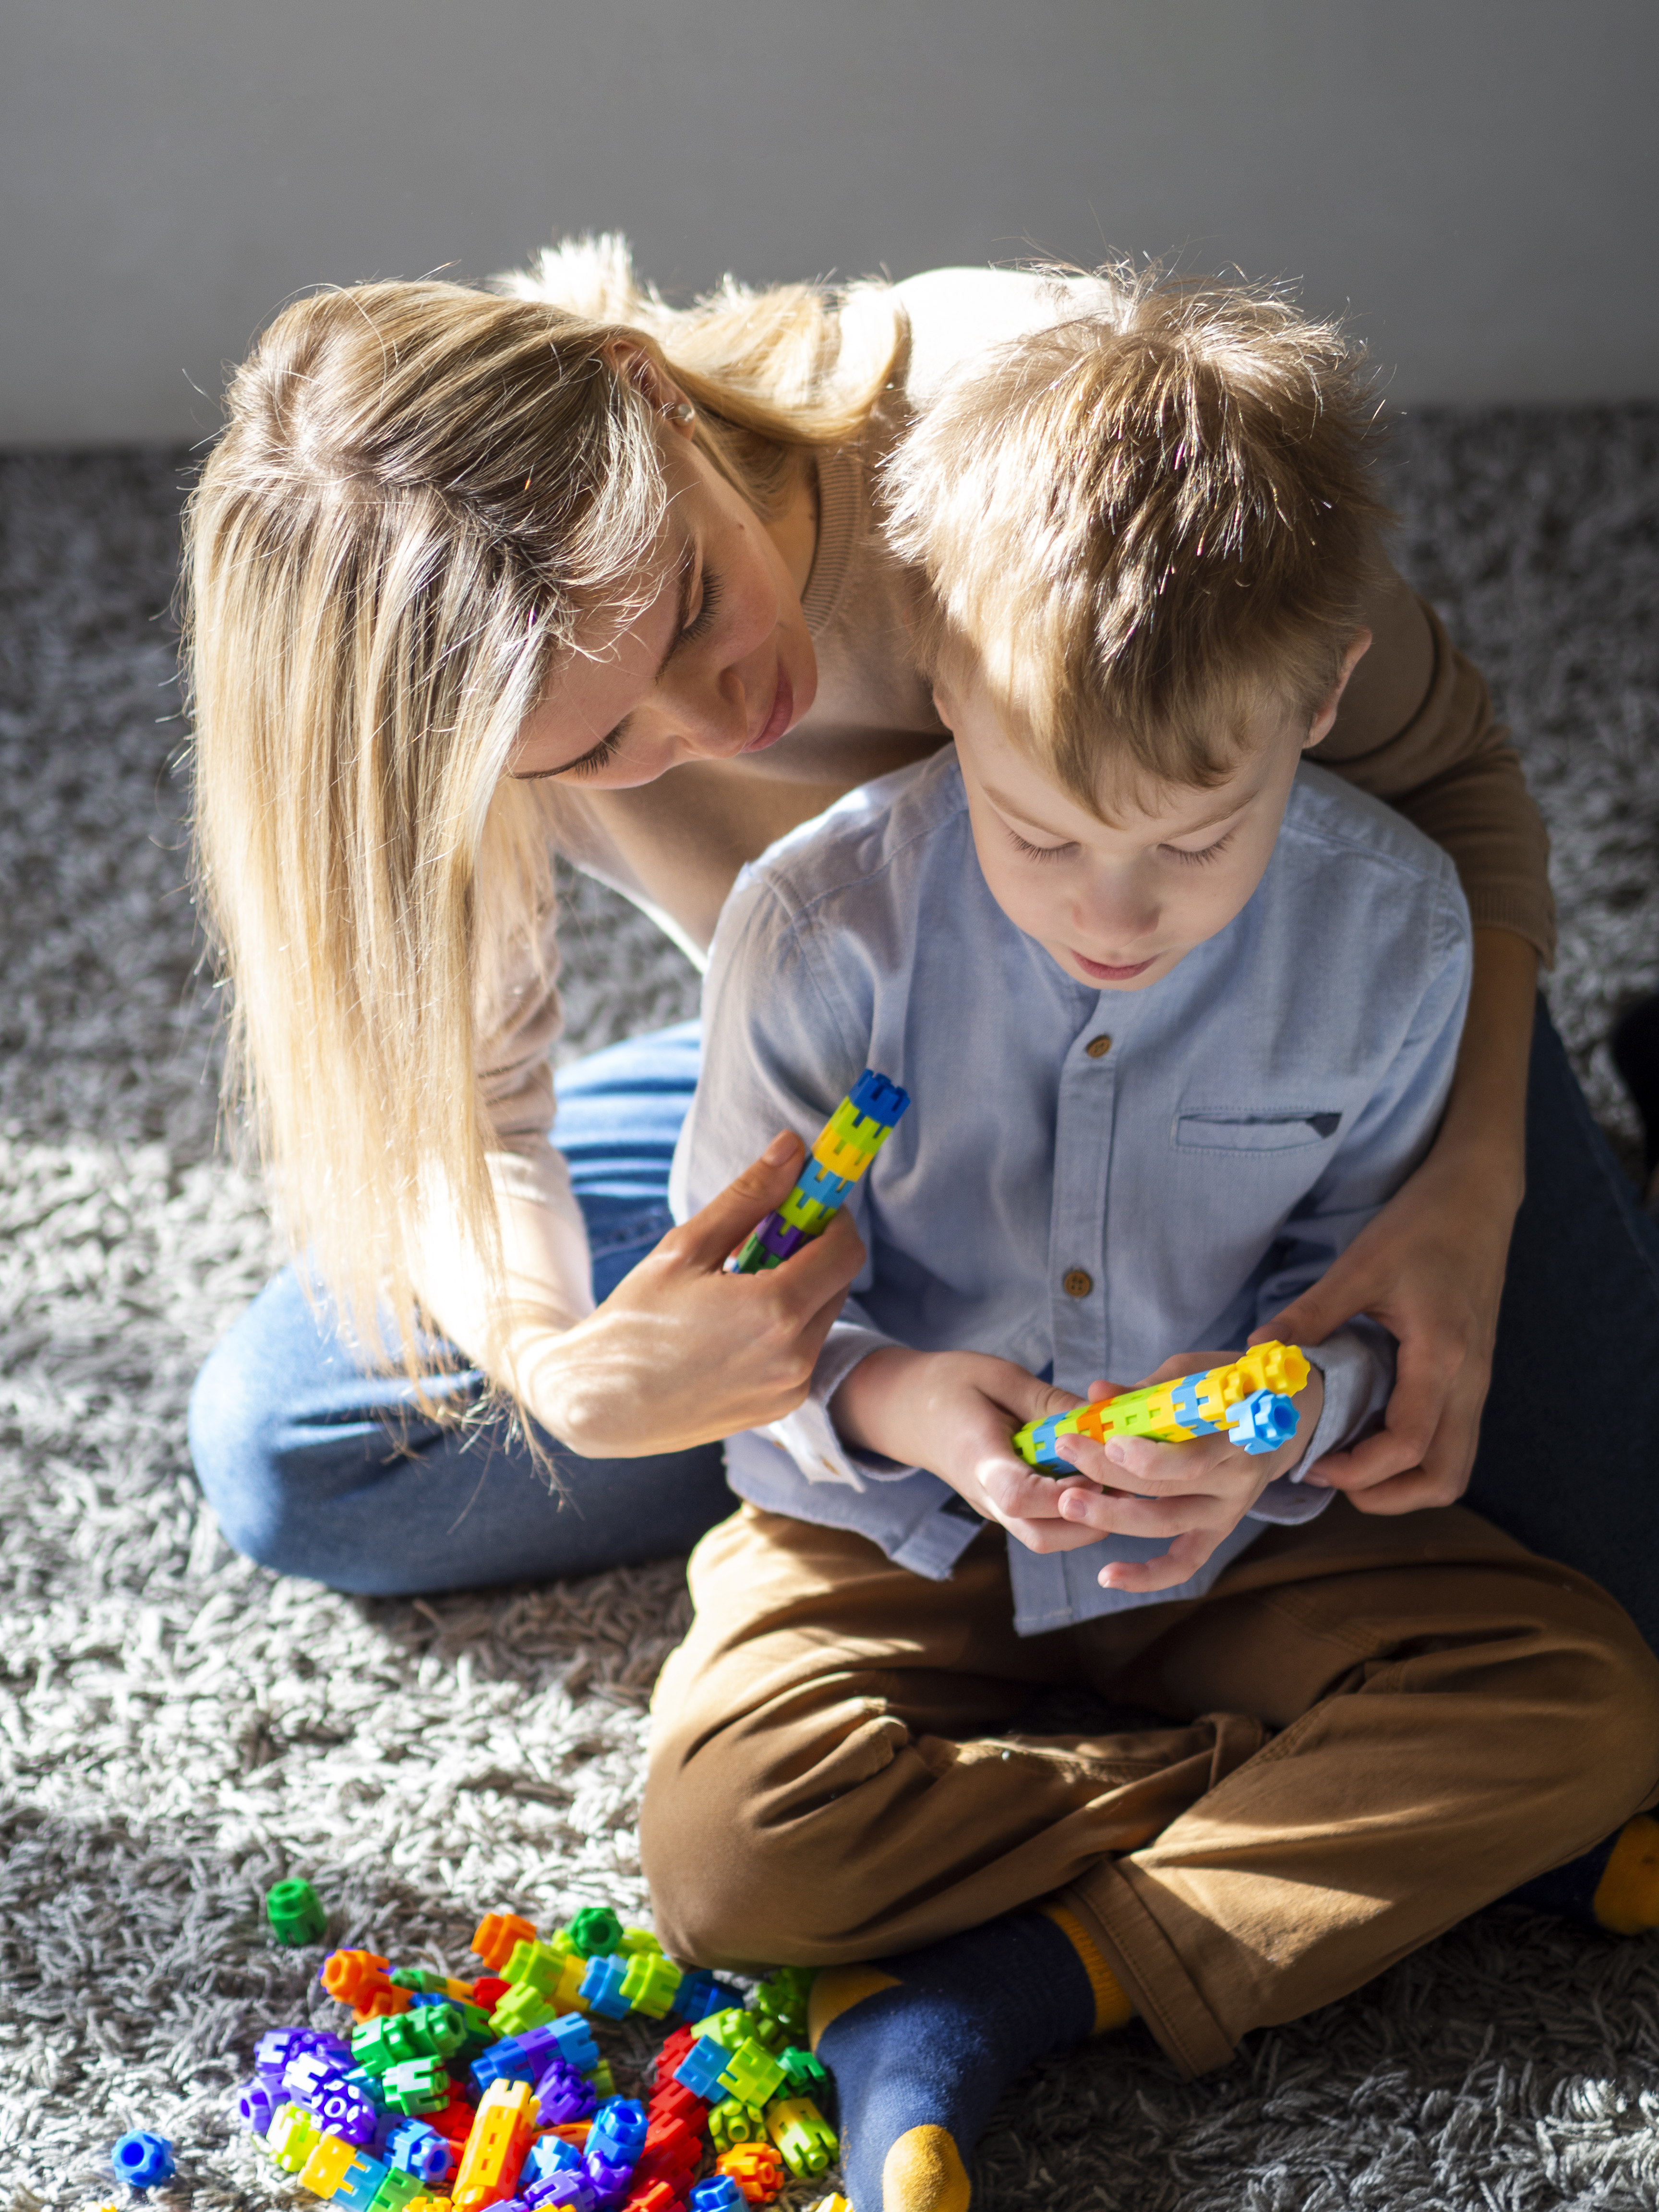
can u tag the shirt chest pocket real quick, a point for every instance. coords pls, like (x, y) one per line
(1265, 1129)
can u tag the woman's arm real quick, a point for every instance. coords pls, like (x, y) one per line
(1430, 1266)
(679, 1353)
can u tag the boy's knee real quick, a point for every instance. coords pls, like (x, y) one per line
(1604, 1720)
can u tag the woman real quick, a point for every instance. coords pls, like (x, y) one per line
(470, 575)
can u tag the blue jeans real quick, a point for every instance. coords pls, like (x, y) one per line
(315, 1469)
(291, 1442)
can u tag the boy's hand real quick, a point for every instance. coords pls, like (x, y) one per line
(1194, 1493)
(955, 1414)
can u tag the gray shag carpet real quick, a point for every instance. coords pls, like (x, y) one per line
(179, 1729)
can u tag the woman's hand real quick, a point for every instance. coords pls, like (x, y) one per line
(1194, 1493)
(1430, 1266)
(681, 1354)
(955, 1414)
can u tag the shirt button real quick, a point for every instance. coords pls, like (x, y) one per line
(1097, 1047)
(1077, 1282)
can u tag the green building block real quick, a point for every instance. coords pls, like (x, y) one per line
(296, 1913)
(595, 1932)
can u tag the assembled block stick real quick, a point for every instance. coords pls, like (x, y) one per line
(846, 1143)
(1250, 1399)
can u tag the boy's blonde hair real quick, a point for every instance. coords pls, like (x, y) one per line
(420, 491)
(1142, 522)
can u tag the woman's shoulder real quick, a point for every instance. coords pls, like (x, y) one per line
(956, 313)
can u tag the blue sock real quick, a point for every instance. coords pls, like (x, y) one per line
(921, 2046)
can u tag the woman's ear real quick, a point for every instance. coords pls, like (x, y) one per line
(1320, 728)
(640, 368)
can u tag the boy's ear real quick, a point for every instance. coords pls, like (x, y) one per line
(1320, 728)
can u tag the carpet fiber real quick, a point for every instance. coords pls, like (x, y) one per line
(178, 1729)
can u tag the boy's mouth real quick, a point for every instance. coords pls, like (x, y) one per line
(1106, 974)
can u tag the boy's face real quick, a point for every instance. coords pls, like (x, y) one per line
(1119, 903)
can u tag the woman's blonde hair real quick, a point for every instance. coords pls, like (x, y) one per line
(1142, 521)
(420, 491)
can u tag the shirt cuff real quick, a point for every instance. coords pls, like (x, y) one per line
(808, 1434)
(1357, 1362)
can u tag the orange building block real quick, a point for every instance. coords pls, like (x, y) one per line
(497, 1933)
(756, 2168)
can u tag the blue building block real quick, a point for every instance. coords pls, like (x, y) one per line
(882, 1100)
(718, 2194)
(142, 2159)
(602, 1985)
(360, 2183)
(702, 2068)
(1262, 1422)
(415, 2148)
(619, 2131)
(821, 1184)
(506, 2061)
(548, 2155)
(256, 2102)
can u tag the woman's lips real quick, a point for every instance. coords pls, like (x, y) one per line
(1112, 975)
(782, 714)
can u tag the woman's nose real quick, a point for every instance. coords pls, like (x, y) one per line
(716, 715)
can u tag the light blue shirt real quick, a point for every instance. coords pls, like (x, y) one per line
(1082, 1213)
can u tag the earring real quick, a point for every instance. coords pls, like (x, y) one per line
(682, 411)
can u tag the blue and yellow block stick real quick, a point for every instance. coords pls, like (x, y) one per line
(850, 1140)
(1250, 1399)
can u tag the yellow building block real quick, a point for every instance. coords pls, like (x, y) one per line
(331, 2159)
(506, 2125)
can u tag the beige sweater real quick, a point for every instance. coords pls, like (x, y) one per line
(1416, 728)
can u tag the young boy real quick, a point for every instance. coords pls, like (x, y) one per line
(1177, 1014)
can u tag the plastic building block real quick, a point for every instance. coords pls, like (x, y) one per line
(571, 2190)
(635, 1941)
(848, 1141)
(397, 2192)
(756, 2168)
(670, 2052)
(414, 2147)
(501, 2134)
(698, 1994)
(651, 1984)
(570, 2038)
(331, 2161)
(834, 2201)
(308, 2078)
(548, 2155)
(619, 2130)
(804, 2075)
(345, 2111)
(521, 2007)
(143, 2158)
(703, 2068)
(782, 1998)
(290, 2136)
(256, 2104)
(730, 2028)
(602, 1985)
(453, 2121)
(296, 1913)
(562, 2094)
(752, 2074)
(489, 1990)
(802, 2134)
(362, 2182)
(498, 1932)
(676, 2101)
(1249, 1399)
(658, 2196)
(604, 2083)
(506, 2061)
(417, 2086)
(430, 2030)
(718, 2194)
(595, 1932)
(733, 2122)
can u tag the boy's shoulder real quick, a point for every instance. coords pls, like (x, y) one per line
(868, 845)
(1357, 850)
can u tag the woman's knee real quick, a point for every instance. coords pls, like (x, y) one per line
(234, 1428)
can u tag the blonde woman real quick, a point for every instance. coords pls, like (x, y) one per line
(476, 575)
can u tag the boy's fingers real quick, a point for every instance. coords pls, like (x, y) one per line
(710, 1236)
(1113, 1513)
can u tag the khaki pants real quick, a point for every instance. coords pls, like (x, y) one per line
(1375, 1727)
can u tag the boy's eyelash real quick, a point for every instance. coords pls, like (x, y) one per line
(1197, 860)
(704, 620)
(1037, 852)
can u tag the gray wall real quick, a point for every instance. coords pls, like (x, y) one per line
(1475, 178)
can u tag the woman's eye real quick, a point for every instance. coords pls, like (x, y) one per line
(601, 757)
(1199, 858)
(1038, 852)
(704, 620)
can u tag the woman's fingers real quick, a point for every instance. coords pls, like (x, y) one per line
(708, 1238)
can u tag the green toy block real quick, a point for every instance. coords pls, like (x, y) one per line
(418, 2085)
(731, 2122)
(651, 1983)
(397, 2190)
(752, 2074)
(595, 1932)
(296, 1913)
(804, 2075)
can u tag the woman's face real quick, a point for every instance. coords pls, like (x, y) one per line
(720, 663)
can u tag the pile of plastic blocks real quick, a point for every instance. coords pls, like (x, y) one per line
(495, 2091)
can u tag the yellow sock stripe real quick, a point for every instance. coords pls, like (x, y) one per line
(1113, 2005)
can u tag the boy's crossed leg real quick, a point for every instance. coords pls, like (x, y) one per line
(1381, 1726)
